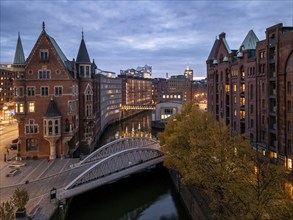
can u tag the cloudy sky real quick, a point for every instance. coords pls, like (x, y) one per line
(166, 34)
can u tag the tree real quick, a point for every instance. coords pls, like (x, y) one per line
(6, 211)
(239, 183)
(20, 198)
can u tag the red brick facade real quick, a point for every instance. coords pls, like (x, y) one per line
(250, 89)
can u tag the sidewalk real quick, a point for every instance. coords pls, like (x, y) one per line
(27, 177)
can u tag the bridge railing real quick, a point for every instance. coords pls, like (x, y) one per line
(116, 146)
(117, 162)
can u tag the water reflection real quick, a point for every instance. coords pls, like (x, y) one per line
(136, 126)
(144, 196)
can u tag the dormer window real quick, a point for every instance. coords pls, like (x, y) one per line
(84, 71)
(44, 55)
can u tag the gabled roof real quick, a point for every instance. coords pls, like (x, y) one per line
(213, 51)
(67, 64)
(52, 110)
(226, 45)
(60, 53)
(249, 43)
(19, 54)
(83, 56)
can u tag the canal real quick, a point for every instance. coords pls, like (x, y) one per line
(147, 195)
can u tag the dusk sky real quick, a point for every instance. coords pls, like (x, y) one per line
(167, 35)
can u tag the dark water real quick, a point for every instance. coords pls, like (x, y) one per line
(148, 195)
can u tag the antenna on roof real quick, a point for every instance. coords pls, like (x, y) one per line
(43, 25)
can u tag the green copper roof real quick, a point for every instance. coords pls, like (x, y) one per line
(250, 41)
(19, 54)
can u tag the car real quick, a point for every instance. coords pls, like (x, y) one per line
(13, 146)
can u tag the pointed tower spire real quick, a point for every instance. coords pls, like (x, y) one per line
(19, 54)
(82, 56)
(43, 26)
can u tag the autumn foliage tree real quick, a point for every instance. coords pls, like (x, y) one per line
(202, 150)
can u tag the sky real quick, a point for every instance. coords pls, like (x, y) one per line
(168, 35)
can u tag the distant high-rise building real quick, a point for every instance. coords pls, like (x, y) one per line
(188, 73)
(142, 72)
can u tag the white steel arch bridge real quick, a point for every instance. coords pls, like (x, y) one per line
(111, 162)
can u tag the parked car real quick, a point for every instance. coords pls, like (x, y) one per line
(13, 146)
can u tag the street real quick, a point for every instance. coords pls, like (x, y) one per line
(9, 133)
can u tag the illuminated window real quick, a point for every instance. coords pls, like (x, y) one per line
(234, 88)
(289, 162)
(31, 107)
(21, 108)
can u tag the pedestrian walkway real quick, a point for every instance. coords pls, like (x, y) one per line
(28, 176)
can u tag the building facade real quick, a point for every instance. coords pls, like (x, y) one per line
(249, 89)
(110, 99)
(141, 72)
(7, 77)
(61, 105)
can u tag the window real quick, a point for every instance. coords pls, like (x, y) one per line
(72, 106)
(89, 96)
(32, 144)
(251, 123)
(81, 70)
(44, 91)
(251, 109)
(289, 107)
(88, 110)
(44, 74)
(251, 91)
(289, 126)
(289, 87)
(234, 88)
(44, 55)
(31, 107)
(30, 91)
(262, 87)
(19, 91)
(87, 71)
(19, 107)
(58, 90)
(289, 147)
(263, 120)
(31, 127)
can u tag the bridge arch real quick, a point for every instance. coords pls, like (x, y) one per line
(112, 168)
(118, 145)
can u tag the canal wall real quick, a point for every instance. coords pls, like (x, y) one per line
(195, 202)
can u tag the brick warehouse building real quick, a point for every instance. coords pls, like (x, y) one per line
(250, 89)
(49, 90)
(61, 105)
